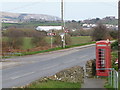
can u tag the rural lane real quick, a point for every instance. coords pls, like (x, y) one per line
(22, 70)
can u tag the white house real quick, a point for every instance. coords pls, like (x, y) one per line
(47, 28)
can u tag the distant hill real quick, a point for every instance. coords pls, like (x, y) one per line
(107, 20)
(22, 17)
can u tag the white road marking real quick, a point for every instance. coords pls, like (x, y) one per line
(15, 73)
(53, 66)
(22, 75)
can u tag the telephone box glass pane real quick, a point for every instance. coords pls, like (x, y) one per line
(101, 61)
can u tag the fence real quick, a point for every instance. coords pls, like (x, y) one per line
(113, 79)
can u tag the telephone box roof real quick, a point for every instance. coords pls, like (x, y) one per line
(103, 41)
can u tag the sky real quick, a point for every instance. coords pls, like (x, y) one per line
(73, 9)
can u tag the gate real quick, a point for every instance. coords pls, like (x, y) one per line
(113, 78)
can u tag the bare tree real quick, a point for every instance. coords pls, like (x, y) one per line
(39, 38)
(15, 39)
(113, 34)
(100, 33)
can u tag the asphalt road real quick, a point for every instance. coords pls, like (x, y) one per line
(31, 68)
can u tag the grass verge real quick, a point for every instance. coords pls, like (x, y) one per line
(109, 87)
(52, 49)
(54, 84)
(114, 58)
(49, 50)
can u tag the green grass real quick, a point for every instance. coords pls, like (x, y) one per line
(75, 40)
(27, 43)
(54, 84)
(80, 39)
(5, 39)
(109, 87)
(52, 49)
(49, 50)
(114, 57)
(115, 66)
(30, 24)
(36, 52)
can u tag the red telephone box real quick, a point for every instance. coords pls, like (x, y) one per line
(103, 58)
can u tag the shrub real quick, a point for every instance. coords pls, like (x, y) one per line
(39, 38)
(114, 45)
(68, 39)
(39, 41)
(15, 37)
(113, 34)
(58, 41)
(100, 33)
(15, 42)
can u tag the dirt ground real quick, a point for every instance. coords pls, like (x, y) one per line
(10, 50)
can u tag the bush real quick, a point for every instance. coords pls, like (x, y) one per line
(100, 33)
(114, 45)
(113, 34)
(13, 32)
(58, 41)
(39, 41)
(68, 39)
(15, 42)
(15, 37)
(81, 32)
(39, 38)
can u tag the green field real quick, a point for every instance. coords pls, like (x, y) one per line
(54, 84)
(80, 40)
(75, 40)
(32, 25)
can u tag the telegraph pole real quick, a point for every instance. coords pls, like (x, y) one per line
(119, 35)
(62, 22)
(119, 43)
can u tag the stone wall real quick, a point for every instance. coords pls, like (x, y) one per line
(74, 74)
(90, 68)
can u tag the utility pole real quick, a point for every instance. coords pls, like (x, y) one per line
(62, 23)
(119, 35)
(119, 44)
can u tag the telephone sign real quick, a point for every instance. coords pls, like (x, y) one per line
(51, 34)
(103, 58)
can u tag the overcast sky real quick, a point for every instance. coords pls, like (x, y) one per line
(74, 9)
